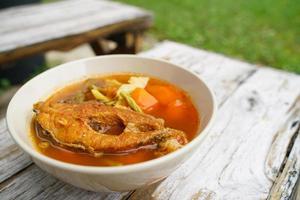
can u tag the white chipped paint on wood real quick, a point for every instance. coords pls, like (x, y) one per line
(286, 181)
(12, 159)
(286, 164)
(231, 162)
(27, 25)
(221, 73)
(280, 145)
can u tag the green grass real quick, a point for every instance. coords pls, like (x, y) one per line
(264, 32)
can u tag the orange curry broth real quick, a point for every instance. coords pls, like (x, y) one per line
(179, 114)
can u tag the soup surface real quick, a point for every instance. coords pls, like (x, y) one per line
(161, 100)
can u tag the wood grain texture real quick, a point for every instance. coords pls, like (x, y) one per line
(26, 25)
(12, 159)
(289, 175)
(74, 40)
(236, 160)
(284, 141)
(287, 180)
(221, 73)
(33, 183)
(31, 29)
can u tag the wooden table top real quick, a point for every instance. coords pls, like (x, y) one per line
(251, 152)
(30, 29)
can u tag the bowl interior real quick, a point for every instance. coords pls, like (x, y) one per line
(19, 113)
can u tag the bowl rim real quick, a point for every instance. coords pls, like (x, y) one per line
(108, 169)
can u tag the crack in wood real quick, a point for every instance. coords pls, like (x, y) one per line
(240, 81)
(127, 197)
(9, 150)
(282, 140)
(7, 181)
(294, 104)
(295, 123)
(287, 180)
(290, 147)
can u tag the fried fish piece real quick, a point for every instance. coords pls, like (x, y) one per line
(94, 127)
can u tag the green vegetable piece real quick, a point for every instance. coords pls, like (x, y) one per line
(99, 96)
(134, 82)
(111, 103)
(131, 102)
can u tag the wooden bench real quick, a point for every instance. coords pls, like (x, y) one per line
(33, 29)
(251, 152)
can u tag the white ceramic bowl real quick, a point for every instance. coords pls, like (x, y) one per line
(122, 178)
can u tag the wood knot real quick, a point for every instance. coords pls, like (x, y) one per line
(251, 102)
(295, 123)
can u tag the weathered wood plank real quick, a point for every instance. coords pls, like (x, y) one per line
(282, 144)
(231, 162)
(12, 159)
(28, 25)
(33, 183)
(287, 179)
(28, 30)
(74, 40)
(223, 74)
(296, 191)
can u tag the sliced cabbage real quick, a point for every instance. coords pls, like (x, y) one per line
(133, 83)
(123, 93)
(99, 96)
(127, 88)
(139, 82)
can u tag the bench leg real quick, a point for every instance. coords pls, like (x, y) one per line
(98, 47)
(126, 43)
(129, 43)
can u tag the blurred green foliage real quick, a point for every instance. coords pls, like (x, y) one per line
(264, 32)
(4, 84)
